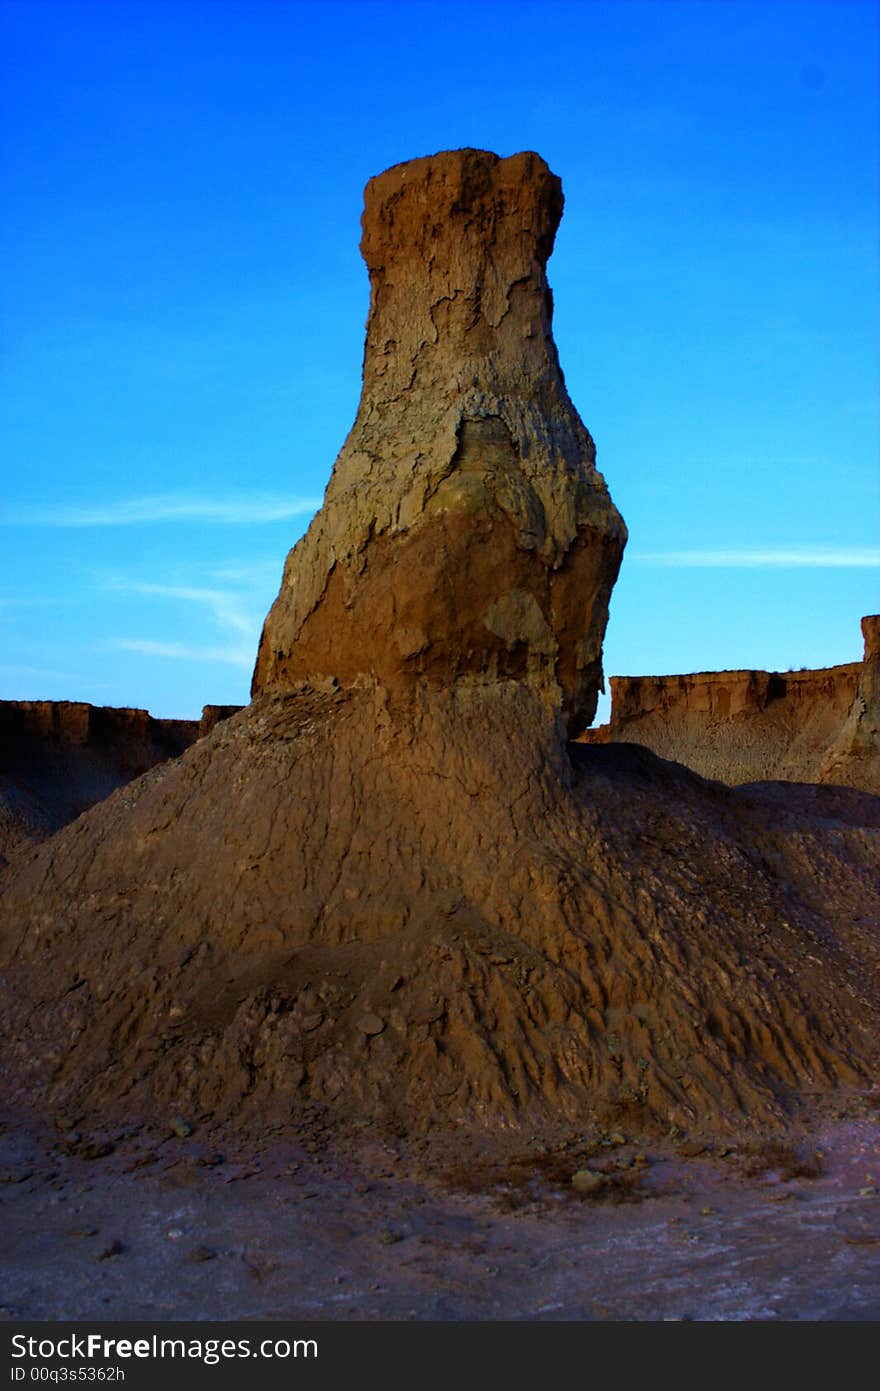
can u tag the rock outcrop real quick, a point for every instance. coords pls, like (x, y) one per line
(757, 726)
(57, 758)
(854, 756)
(465, 534)
(390, 887)
(212, 715)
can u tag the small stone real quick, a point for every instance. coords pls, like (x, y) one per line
(180, 1127)
(616, 1138)
(96, 1149)
(83, 1231)
(310, 1022)
(691, 1148)
(389, 1238)
(201, 1254)
(587, 1181)
(706, 1211)
(867, 1192)
(174, 1233)
(371, 1024)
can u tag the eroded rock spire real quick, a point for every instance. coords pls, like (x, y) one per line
(465, 534)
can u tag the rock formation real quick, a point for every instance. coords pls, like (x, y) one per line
(390, 886)
(754, 726)
(465, 534)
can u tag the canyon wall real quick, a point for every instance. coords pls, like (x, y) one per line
(57, 758)
(753, 726)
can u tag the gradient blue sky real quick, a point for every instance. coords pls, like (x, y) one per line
(183, 305)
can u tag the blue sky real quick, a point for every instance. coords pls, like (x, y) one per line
(183, 305)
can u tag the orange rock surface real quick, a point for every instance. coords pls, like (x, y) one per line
(757, 726)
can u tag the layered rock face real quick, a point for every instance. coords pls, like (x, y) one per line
(58, 758)
(466, 534)
(753, 726)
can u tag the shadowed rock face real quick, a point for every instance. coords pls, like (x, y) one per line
(465, 533)
(59, 757)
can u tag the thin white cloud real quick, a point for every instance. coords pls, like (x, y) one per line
(228, 611)
(170, 507)
(179, 651)
(258, 574)
(14, 669)
(778, 557)
(226, 608)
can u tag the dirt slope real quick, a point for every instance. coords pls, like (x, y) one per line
(441, 914)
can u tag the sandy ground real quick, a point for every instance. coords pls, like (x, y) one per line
(172, 1227)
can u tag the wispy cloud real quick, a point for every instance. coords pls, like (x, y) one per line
(182, 652)
(15, 669)
(258, 574)
(169, 507)
(227, 609)
(228, 612)
(777, 557)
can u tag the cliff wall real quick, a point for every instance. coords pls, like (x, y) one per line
(57, 758)
(754, 726)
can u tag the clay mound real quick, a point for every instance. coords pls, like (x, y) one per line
(450, 917)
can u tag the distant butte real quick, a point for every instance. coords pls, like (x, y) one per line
(756, 726)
